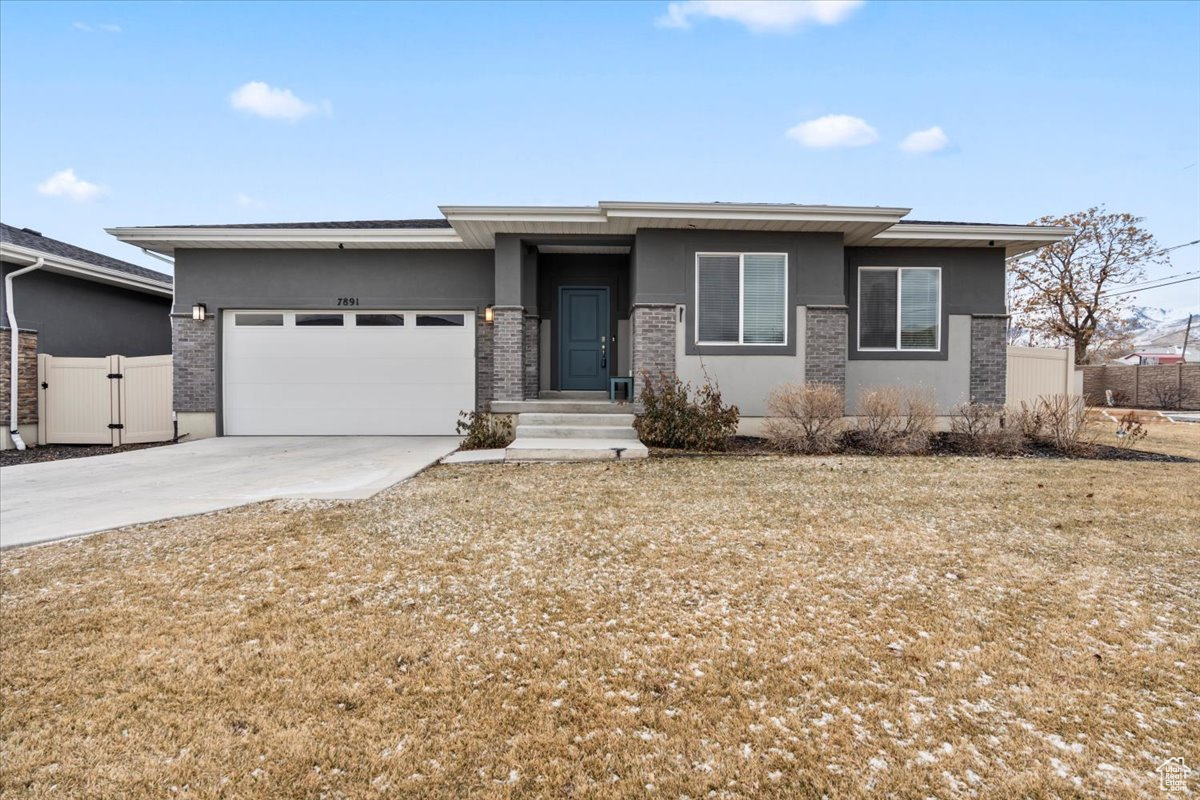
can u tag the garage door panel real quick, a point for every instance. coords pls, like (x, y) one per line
(381, 380)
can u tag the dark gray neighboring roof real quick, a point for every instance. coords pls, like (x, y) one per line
(23, 237)
(384, 224)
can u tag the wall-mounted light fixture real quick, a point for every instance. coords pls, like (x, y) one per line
(199, 312)
(489, 315)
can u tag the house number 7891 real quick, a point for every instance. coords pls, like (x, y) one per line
(347, 301)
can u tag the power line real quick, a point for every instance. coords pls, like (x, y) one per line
(1148, 281)
(1148, 288)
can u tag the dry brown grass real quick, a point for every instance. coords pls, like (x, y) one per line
(688, 627)
(1162, 435)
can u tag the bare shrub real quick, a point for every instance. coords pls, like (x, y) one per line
(1029, 419)
(484, 431)
(1065, 416)
(1167, 396)
(895, 419)
(1130, 429)
(979, 428)
(673, 418)
(804, 419)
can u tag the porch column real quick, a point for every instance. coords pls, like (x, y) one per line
(508, 353)
(653, 332)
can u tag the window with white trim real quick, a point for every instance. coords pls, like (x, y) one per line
(741, 298)
(899, 308)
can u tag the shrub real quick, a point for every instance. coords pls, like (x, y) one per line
(1029, 420)
(894, 419)
(1065, 416)
(484, 431)
(979, 428)
(804, 419)
(1130, 429)
(672, 418)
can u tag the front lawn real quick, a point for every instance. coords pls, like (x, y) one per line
(685, 627)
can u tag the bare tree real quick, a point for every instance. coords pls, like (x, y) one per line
(1060, 292)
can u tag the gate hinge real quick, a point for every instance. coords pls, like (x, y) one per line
(116, 426)
(45, 385)
(115, 376)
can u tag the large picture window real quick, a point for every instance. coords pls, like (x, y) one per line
(899, 308)
(741, 298)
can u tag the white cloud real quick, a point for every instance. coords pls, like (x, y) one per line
(103, 27)
(66, 184)
(929, 140)
(834, 130)
(760, 16)
(263, 100)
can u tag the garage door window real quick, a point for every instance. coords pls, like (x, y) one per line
(379, 320)
(250, 320)
(319, 320)
(440, 320)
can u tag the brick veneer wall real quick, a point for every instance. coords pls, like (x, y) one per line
(989, 359)
(652, 328)
(532, 335)
(27, 385)
(1143, 386)
(194, 350)
(483, 364)
(508, 353)
(825, 332)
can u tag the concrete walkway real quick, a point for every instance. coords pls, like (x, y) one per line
(56, 499)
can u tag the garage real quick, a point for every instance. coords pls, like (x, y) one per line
(346, 373)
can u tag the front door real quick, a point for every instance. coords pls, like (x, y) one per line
(583, 343)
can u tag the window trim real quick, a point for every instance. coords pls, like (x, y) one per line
(741, 342)
(937, 348)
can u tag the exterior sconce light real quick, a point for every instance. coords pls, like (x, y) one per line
(199, 312)
(489, 315)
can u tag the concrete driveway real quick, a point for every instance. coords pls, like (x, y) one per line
(52, 500)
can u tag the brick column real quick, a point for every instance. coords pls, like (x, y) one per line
(825, 345)
(989, 359)
(508, 353)
(532, 352)
(484, 374)
(27, 385)
(194, 360)
(652, 328)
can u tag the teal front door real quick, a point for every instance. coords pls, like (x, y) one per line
(583, 341)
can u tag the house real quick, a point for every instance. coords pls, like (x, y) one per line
(393, 327)
(68, 301)
(1150, 357)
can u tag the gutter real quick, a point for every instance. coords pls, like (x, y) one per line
(15, 350)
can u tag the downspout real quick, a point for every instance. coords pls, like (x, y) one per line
(15, 350)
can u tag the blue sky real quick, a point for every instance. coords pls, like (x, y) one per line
(1043, 108)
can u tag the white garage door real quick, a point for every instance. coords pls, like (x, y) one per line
(338, 373)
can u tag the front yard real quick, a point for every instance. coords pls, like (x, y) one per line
(686, 627)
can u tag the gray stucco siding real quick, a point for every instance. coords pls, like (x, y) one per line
(85, 319)
(972, 283)
(664, 268)
(383, 279)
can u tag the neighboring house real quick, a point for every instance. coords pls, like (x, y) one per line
(393, 327)
(77, 303)
(1150, 357)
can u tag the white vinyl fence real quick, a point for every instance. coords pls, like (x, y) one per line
(112, 400)
(1035, 372)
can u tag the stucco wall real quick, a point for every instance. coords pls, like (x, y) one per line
(950, 379)
(85, 319)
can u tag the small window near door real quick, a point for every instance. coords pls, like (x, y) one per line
(379, 320)
(319, 320)
(259, 320)
(440, 320)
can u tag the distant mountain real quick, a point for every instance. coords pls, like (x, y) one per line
(1163, 329)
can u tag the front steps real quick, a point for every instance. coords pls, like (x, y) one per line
(571, 428)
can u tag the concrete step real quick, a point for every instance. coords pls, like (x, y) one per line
(562, 407)
(575, 431)
(573, 450)
(544, 418)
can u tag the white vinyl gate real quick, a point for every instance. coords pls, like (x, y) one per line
(111, 400)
